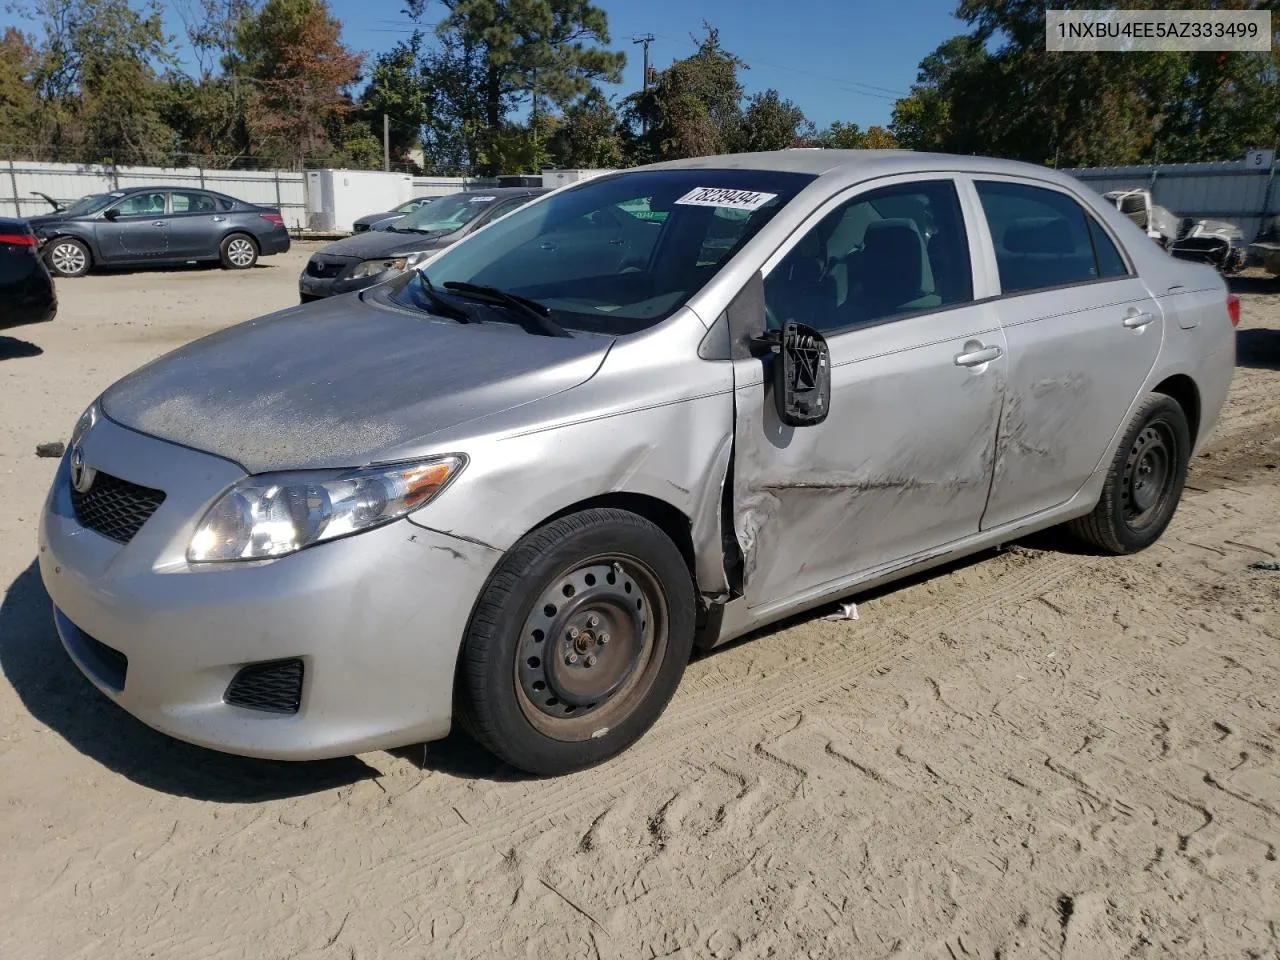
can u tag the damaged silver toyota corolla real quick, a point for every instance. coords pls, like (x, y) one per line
(650, 411)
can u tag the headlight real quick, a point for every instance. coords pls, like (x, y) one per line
(84, 424)
(415, 260)
(271, 515)
(371, 268)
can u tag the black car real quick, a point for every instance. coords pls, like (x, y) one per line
(26, 289)
(376, 255)
(380, 221)
(157, 225)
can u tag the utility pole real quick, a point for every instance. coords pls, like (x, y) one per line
(386, 142)
(644, 83)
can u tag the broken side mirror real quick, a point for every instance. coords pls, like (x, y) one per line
(111, 213)
(801, 373)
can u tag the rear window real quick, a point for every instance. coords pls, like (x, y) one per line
(1044, 238)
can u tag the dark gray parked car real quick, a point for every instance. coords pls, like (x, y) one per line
(371, 257)
(155, 225)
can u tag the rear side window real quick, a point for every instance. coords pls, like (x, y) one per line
(192, 203)
(1044, 238)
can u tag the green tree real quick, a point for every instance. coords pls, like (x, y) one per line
(769, 123)
(693, 108)
(19, 105)
(588, 136)
(531, 52)
(96, 75)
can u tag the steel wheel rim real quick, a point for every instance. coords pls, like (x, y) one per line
(1149, 472)
(576, 679)
(240, 252)
(68, 258)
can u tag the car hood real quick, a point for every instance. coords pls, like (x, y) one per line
(384, 243)
(48, 219)
(342, 383)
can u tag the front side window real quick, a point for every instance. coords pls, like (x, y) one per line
(887, 253)
(1044, 238)
(142, 205)
(616, 254)
(192, 203)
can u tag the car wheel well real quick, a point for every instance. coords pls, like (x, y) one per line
(1183, 390)
(670, 520)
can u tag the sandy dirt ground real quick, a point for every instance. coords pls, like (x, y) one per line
(1038, 753)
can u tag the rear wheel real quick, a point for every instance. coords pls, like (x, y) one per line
(239, 252)
(1144, 482)
(578, 642)
(68, 257)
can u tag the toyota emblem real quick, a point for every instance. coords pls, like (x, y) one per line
(81, 475)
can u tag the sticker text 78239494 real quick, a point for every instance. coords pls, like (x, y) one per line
(725, 197)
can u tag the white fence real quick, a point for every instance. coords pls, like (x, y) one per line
(1228, 191)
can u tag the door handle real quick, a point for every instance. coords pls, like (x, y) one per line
(1136, 321)
(546, 246)
(616, 241)
(157, 223)
(219, 219)
(976, 358)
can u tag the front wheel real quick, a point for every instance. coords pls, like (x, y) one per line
(1145, 481)
(68, 257)
(238, 252)
(578, 642)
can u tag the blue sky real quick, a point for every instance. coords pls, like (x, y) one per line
(837, 59)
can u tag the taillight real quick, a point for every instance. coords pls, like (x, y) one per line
(1233, 309)
(24, 240)
(273, 218)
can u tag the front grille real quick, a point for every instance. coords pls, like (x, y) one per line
(273, 686)
(325, 269)
(115, 508)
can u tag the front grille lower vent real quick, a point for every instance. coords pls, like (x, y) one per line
(273, 686)
(115, 508)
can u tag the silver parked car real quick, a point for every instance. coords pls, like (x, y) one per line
(653, 410)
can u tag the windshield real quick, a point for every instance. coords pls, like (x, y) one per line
(618, 253)
(92, 203)
(447, 214)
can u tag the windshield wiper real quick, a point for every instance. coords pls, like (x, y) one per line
(532, 310)
(440, 304)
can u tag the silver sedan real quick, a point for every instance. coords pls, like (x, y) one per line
(652, 411)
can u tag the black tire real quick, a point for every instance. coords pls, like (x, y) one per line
(68, 257)
(238, 251)
(510, 679)
(1144, 482)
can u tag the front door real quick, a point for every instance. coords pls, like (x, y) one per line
(902, 464)
(195, 225)
(1083, 334)
(140, 230)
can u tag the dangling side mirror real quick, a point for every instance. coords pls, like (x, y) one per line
(801, 373)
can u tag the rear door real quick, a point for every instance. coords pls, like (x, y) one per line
(140, 230)
(902, 464)
(195, 224)
(1083, 332)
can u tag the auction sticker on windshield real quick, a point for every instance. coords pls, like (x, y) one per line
(483, 199)
(724, 197)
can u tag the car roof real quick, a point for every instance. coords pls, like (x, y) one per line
(503, 192)
(856, 165)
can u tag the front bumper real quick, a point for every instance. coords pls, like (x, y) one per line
(376, 619)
